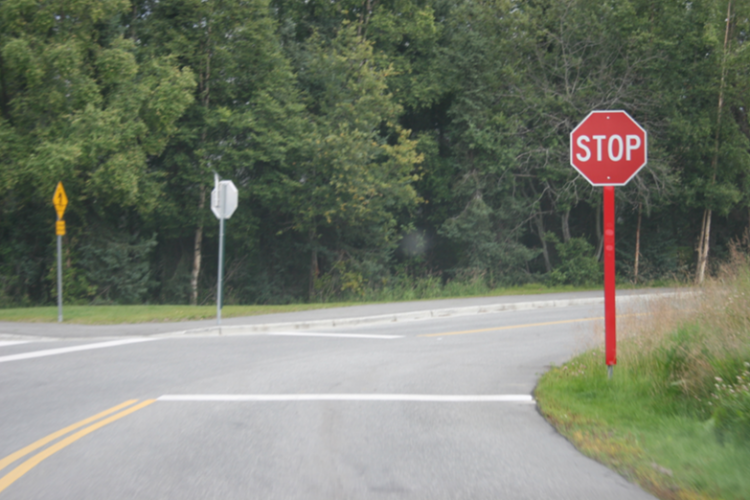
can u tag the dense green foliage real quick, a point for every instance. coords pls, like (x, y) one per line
(378, 145)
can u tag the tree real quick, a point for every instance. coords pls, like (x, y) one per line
(78, 106)
(721, 190)
(358, 164)
(525, 75)
(245, 117)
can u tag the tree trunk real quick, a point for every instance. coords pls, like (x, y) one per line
(703, 247)
(204, 87)
(566, 226)
(197, 248)
(313, 264)
(539, 220)
(637, 242)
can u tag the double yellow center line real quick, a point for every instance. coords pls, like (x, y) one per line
(99, 422)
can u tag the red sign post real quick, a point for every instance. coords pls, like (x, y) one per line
(608, 148)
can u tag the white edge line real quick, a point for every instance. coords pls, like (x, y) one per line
(65, 350)
(335, 335)
(427, 398)
(7, 343)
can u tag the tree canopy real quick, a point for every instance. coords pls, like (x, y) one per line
(373, 142)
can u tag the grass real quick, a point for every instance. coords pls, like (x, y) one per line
(118, 314)
(646, 438)
(108, 315)
(657, 421)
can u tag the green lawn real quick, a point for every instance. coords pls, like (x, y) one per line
(675, 417)
(649, 436)
(109, 315)
(117, 314)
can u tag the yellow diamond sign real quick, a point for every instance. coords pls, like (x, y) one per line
(60, 200)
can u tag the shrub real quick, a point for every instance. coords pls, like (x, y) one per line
(578, 264)
(117, 265)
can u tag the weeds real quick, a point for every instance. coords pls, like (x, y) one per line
(680, 395)
(731, 403)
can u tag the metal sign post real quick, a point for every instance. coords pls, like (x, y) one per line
(60, 201)
(222, 198)
(608, 148)
(223, 204)
(59, 279)
(610, 316)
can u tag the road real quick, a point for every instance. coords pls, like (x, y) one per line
(426, 409)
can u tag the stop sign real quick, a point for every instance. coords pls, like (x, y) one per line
(608, 148)
(224, 199)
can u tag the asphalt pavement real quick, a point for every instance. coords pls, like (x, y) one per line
(432, 408)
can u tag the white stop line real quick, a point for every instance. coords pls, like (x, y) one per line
(424, 398)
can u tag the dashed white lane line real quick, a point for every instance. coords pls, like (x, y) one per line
(65, 350)
(424, 398)
(6, 343)
(333, 335)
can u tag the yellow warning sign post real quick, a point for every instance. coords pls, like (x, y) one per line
(60, 201)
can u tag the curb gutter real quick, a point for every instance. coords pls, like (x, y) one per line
(411, 316)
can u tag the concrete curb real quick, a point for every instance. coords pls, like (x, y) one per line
(411, 316)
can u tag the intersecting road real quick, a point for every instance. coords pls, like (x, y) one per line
(429, 409)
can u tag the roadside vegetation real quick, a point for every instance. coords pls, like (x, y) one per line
(383, 149)
(118, 314)
(121, 314)
(676, 416)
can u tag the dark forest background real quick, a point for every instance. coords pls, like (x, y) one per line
(382, 148)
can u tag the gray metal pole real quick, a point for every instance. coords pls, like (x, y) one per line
(59, 280)
(222, 204)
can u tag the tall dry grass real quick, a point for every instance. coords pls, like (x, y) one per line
(680, 395)
(694, 348)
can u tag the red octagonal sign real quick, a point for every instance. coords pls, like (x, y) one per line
(608, 148)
